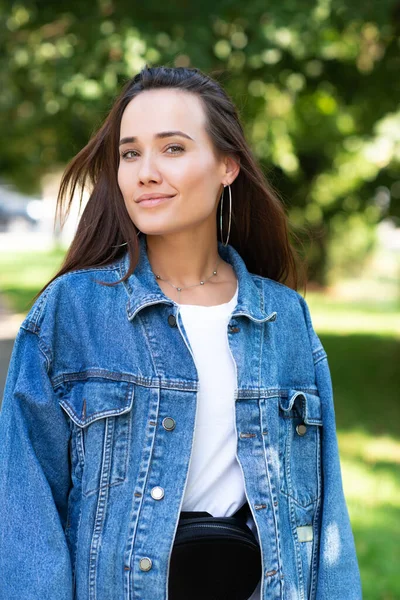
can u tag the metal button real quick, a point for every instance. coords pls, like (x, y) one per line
(168, 423)
(157, 493)
(172, 320)
(233, 329)
(301, 429)
(145, 564)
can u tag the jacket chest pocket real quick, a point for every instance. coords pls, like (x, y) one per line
(100, 410)
(300, 430)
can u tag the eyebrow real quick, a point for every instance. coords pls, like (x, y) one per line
(161, 135)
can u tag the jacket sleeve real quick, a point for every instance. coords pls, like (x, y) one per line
(338, 571)
(34, 480)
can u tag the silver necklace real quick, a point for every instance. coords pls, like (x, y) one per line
(189, 286)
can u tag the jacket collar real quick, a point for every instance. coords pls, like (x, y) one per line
(144, 290)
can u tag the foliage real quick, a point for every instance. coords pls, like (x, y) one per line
(315, 82)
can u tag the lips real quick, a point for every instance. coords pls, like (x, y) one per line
(154, 201)
(145, 197)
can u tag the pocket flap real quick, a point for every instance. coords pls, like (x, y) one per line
(306, 404)
(95, 398)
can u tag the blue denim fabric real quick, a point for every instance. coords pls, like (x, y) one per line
(94, 372)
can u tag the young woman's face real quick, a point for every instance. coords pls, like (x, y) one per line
(172, 165)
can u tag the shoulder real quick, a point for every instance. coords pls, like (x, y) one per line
(294, 312)
(276, 291)
(292, 308)
(68, 289)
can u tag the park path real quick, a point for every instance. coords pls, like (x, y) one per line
(9, 325)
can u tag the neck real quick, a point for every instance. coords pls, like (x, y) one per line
(183, 259)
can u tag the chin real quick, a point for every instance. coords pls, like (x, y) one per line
(154, 230)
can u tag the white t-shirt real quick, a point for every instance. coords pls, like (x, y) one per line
(215, 480)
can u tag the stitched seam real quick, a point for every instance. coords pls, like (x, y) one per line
(148, 382)
(148, 345)
(41, 301)
(299, 503)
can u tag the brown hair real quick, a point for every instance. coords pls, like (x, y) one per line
(259, 228)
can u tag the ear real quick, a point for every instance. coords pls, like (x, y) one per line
(231, 169)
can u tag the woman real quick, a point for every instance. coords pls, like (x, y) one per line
(171, 369)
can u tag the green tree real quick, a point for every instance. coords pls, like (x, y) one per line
(315, 82)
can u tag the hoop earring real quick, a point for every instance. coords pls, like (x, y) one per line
(230, 214)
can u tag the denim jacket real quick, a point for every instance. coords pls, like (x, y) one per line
(96, 432)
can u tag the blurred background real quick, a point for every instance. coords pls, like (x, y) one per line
(317, 87)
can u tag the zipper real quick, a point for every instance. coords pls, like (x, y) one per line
(232, 536)
(213, 525)
(241, 468)
(234, 530)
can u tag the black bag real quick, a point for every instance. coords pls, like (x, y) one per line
(214, 558)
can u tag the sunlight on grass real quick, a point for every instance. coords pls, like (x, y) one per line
(353, 322)
(342, 317)
(28, 270)
(371, 481)
(370, 449)
(23, 274)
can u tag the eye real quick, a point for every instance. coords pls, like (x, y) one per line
(127, 153)
(179, 148)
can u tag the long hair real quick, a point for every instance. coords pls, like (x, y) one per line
(260, 229)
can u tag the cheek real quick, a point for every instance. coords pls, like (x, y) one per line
(123, 181)
(195, 178)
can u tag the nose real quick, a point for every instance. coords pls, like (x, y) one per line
(148, 171)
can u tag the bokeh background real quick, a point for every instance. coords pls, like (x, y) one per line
(317, 87)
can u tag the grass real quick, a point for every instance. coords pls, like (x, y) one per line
(362, 340)
(371, 481)
(23, 274)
